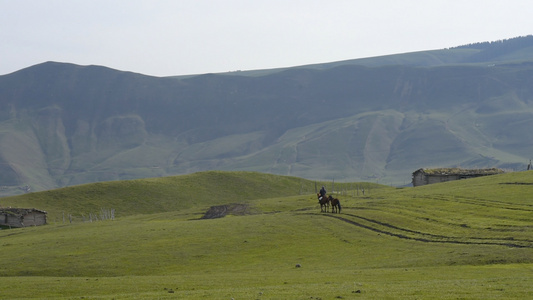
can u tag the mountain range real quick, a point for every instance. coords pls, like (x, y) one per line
(375, 119)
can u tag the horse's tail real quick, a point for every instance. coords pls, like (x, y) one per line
(340, 208)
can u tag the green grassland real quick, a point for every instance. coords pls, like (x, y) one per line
(469, 239)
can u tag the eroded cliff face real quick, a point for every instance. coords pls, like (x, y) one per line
(36, 150)
(49, 129)
(121, 132)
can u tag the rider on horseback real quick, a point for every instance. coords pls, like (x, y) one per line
(322, 193)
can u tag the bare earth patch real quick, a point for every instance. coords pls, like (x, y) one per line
(221, 211)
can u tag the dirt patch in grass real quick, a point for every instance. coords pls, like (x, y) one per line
(221, 211)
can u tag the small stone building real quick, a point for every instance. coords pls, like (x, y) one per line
(429, 176)
(22, 217)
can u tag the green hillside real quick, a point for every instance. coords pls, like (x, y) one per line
(468, 239)
(157, 195)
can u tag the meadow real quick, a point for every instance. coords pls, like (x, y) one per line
(468, 239)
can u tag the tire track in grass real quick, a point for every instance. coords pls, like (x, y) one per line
(430, 238)
(485, 203)
(430, 235)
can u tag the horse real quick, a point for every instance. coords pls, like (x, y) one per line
(335, 204)
(324, 203)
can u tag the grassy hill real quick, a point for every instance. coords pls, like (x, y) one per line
(464, 239)
(157, 195)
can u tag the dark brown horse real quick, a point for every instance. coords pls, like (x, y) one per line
(324, 203)
(335, 204)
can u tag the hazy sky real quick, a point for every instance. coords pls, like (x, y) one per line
(177, 37)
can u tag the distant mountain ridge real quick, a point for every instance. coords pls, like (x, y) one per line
(375, 119)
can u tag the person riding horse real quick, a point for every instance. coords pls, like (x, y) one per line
(322, 193)
(324, 202)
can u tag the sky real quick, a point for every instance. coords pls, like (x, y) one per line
(183, 37)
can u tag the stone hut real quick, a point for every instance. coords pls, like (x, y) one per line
(429, 176)
(22, 217)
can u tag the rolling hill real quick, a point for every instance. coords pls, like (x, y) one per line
(462, 239)
(375, 119)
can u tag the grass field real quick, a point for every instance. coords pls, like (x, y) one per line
(469, 239)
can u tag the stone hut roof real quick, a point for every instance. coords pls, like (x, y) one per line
(20, 211)
(459, 171)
